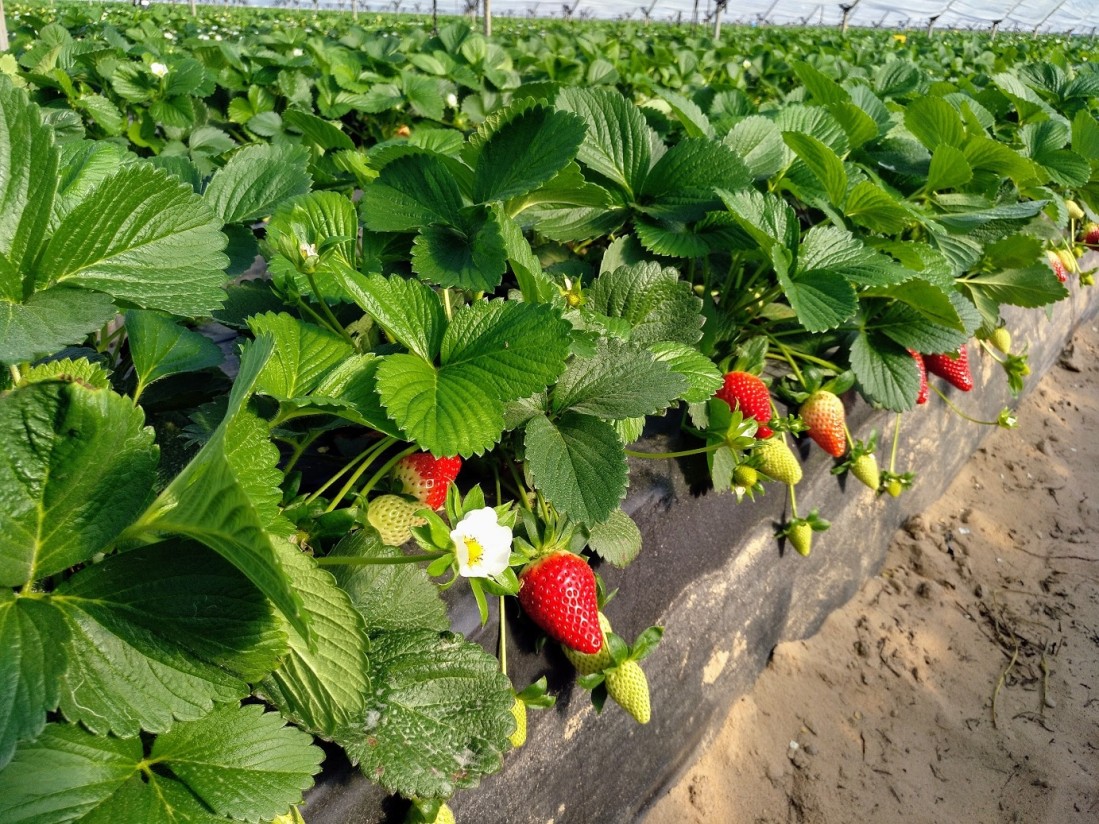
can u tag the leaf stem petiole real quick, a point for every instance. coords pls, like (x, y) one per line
(350, 560)
(702, 450)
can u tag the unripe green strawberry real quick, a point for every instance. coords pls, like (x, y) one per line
(586, 663)
(894, 488)
(629, 687)
(745, 476)
(519, 712)
(394, 518)
(1001, 339)
(1074, 210)
(865, 468)
(778, 462)
(824, 414)
(801, 537)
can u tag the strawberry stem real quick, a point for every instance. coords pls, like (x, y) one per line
(793, 500)
(364, 457)
(503, 639)
(701, 450)
(520, 487)
(789, 358)
(896, 440)
(959, 412)
(377, 476)
(350, 560)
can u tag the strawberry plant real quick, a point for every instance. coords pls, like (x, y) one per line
(497, 256)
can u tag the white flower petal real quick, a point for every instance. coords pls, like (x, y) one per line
(482, 544)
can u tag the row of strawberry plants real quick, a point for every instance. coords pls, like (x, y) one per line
(520, 298)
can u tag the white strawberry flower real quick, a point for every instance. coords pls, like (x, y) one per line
(452, 100)
(158, 69)
(482, 544)
(297, 52)
(747, 64)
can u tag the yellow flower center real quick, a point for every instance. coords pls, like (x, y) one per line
(474, 550)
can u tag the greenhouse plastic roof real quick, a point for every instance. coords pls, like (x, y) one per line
(1076, 16)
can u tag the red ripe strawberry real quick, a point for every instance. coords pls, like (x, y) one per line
(824, 414)
(1056, 264)
(746, 392)
(557, 591)
(426, 477)
(954, 369)
(1091, 234)
(924, 390)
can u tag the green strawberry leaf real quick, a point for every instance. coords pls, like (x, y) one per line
(325, 220)
(949, 169)
(534, 284)
(411, 192)
(1085, 135)
(256, 180)
(438, 716)
(870, 206)
(656, 303)
(389, 596)
(350, 391)
(160, 634)
(321, 683)
(618, 143)
(821, 298)
(767, 218)
(681, 184)
(160, 347)
(1032, 286)
(577, 462)
(471, 257)
(935, 123)
(237, 762)
(824, 163)
(703, 376)
(303, 355)
(234, 748)
(27, 188)
(616, 540)
(34, 638)
(529, 150)
(687, 112)
(76, 470)
(886, 373)
(759, 143)
(209, 502)
(619, 381)
(443, 410)
(409, 311)
(144, 238)
(492, 353)
(49, 320)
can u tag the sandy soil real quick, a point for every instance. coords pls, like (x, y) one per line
(960, 684)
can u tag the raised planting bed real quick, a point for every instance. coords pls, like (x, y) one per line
(726, 592)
